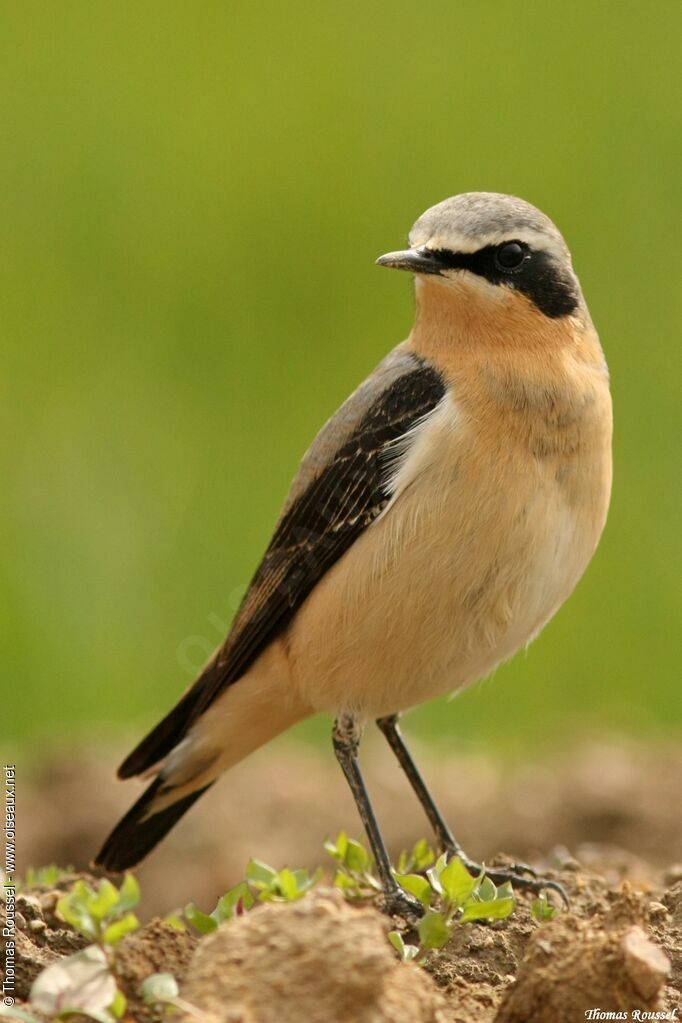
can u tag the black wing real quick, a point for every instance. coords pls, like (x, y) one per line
(321, 524)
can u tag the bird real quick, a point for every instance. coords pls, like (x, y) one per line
(438, 521)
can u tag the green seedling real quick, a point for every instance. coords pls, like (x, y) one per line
(419, 859)
(234, 903)
(262, 884)
(542, 909)
(102, 914)
(175, 920)
(450, 896)
(86, 983)
(46, 877)
(279, 885)
(161, 991)
(354, 868)
(406, 953)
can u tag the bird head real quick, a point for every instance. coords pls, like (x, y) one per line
(494, 247)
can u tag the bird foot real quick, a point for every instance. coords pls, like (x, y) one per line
(398, 902)
(520, 875)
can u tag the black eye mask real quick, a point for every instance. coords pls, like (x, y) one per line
(534, 273)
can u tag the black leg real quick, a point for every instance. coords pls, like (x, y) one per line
(346, 738)
(389, 726)
(515, 873)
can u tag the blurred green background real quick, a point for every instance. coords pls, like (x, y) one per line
(192, 199)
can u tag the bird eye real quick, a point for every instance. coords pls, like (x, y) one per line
(510, 255)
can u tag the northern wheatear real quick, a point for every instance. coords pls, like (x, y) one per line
(438, 521)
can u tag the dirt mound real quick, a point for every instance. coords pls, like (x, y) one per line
(573, 965)
(318, 960)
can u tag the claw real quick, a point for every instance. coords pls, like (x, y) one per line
(529, 884)
(515, 875)
(523, 868)
(398, 902)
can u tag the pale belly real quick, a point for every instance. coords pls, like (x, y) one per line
(461, 573)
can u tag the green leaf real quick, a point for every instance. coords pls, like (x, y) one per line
(406, 952)
(505, 891)
(422, 855)
(416, 885)
(201, 922)
(226, 905)
(434, 873)
(434, 930)
(104, 900)
(48, 876)
(129, 894)
(286, 883)
(160, 987)
(119, 928)
(260, 874)
(456, 881)
(542, 909)
(404, 864)
(305, 881)
(70, 915)
(82, 894)
(356, 857)
(174, 920)
(497, 909)
(77, 916)
(344, 881)
(486, 891)
(118, 1006)
(371, 880)
(417, 860)
(337, 849)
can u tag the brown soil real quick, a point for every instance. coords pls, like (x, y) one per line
(619, 950)
(323, 960)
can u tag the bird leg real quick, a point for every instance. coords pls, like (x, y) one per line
(346, 736)
(520, 874)
(446, 840)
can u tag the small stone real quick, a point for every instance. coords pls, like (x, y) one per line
(29, 905)
(646, 964)
(657, 910)
(672, 900)
(49, 900)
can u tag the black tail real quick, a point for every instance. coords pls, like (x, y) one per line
(133, 837)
